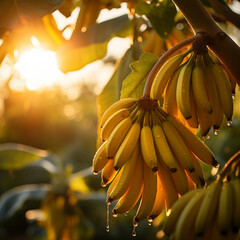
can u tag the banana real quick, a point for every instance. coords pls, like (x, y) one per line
(185, 223)
(100, 159)
(191, 184)
(122, 103)
(148, 195)
(225, 208)
(180, 180)
(163, 148)
(183, 88)
(194, 143)
(108, 173)
(208, 208)
(170, 102)
(177, 208)
(159, 201)
(128, 144)
(147, 145)
(224, 90)
(178, 146)
(198, 86)
(236, 213)
(116, 137)
(126, 176)
(113, 121)
(130, 198)
(164, 74)
(169, 188)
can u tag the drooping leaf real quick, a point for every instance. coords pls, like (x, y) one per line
(161, 14)
(134, 83)
(15, 156)
(12, 200)
(89, 46)
(111, 91)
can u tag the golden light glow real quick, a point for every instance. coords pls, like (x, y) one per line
(39, 69)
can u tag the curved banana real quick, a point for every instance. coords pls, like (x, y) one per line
(175, 211)
(183, 88)
(126, 176)
(113, 121)
(208, 208)
(147, 145)
(236, 214)
(127, 146)
(164, 74)
(132, 195)
(122, 103)
(178, 146)
(116, 137)
(148, 195)
(100, 159)
(198, 86)
(108, 173)
(185, 223)
(194, 143)
(225, 208)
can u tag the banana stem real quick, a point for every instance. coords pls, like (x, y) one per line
(229, 164)
(163, 59)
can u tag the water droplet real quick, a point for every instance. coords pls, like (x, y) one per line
(150, 220)
(107, 222)
(229, 123)
(134, 234)
(207, 136)
(125, 214)
(233, 96)
(94, 172)
(216, 131)
(103, 184)
(135, 223)
(114, 214)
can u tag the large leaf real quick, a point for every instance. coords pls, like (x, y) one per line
(15, 156)
(161, 14)
(13, 200)
(134, 83)
(11, 11)
(89, 46)
(111, 91)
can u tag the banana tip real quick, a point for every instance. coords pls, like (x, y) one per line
(191, 170)
(154, 169)
(173, 170)
(215, 163)
(202, 181)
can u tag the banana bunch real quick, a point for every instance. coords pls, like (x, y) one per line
(196, 89)
(153, 43)
(149, 155)
(212, 213)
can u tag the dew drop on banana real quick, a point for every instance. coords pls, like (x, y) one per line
(229, 123)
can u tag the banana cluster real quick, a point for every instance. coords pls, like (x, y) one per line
(212, 213)
(196, 89)
(149, 155)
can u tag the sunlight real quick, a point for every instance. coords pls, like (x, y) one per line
(38, 68)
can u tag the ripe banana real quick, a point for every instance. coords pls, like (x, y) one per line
(108, 173)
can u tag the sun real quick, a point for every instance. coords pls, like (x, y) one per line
(39, 69)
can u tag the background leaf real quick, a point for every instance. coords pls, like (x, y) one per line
(161, 14)
(15, 156)
(134, 83)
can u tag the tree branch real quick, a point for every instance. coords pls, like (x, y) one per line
(222, 45)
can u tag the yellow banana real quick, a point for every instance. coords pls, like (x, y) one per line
(113, 121)
(224, 90)
(127, 146)
(169, 188)
(236, 213)
(178, 146)
(198, 86)
(180, 180)
(183, 88)
(126, 177)
(130, 198)
(163, 148)
(194, 143)
(108, 173)
(185, 223)
(148, 195)
(147, 145)
(122, 103)
(175, 211)
(116, 137)
(164, 74)
(225, 208)
(100, 159)
(170, 101)
(159, 201)
(208, 208)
